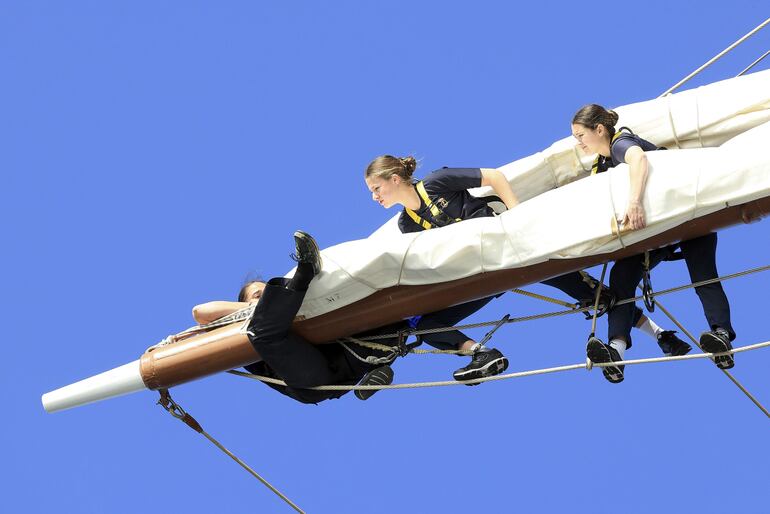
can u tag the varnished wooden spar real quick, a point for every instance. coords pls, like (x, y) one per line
(396, 303)
(225, 348)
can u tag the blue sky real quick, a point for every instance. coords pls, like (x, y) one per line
(156, 153)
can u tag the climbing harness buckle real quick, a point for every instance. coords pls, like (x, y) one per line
(647, 293)
(403, 348)
(502, 321)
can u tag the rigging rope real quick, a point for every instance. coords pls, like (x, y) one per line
(754, 63)
(179, 413)
(578, 310)
(727, 373)
(517, 374)
(716, 57)
(588, 364)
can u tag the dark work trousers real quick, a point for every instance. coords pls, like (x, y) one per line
(700, 257)
(293, 359)
(447, 318)
(298, 362)
(578, 287)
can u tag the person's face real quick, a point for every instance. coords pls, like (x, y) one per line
(254, 291)
(589, 140)
(384, 191)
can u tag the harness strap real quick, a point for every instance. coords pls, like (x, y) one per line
(600, 158)
(647, 292)
(432, 207)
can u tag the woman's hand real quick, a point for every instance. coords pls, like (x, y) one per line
(634, 217)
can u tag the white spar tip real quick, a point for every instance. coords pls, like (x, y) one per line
(115, 382)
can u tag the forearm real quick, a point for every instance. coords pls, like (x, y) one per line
(497, 181)
(208, 312)
(638, 178)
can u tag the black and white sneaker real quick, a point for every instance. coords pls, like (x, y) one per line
(307, 251)
(718, 341)
(377, 377)
(601, 353)
(483, 364)
(671, 344)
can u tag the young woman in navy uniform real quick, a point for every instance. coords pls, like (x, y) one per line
(594, 128)
(296, 361)
(442, 198)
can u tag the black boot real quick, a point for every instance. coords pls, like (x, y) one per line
(308, 260)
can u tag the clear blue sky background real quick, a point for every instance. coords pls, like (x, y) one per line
(155, 153)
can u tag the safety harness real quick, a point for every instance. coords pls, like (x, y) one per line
(438, 218)
(600, 163)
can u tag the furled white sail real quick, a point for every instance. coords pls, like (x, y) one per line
(696, 177)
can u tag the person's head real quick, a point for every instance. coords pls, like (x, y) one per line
(387, 177)
(251, 291)
(593, 126)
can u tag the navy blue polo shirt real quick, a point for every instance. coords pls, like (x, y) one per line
(619, 147)
(448, 189)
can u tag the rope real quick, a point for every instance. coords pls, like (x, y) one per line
(596, 300)
(518, 374)
(716, 58)
(754, 63)
(234, 317)
(578, 310)
(179, 413)
(544, 298)
(727, 373)
(395, 351)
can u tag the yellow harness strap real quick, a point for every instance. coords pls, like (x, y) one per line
(424, 224)
(435, 211)
(595, 167)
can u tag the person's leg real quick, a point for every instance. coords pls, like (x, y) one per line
(700, 257)
(580, 286)
(454, 339)
(485, 361)
(298, 362)
(295, 360)
(667, 340)
(624, 276)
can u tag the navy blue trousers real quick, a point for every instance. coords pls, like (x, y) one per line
(700, 257)
(301, 364)
(581, 286)
(447, 318)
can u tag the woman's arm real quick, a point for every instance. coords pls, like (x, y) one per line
(497, 181)
(637, 161)
(208, 312)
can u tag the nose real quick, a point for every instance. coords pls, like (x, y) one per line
(375, 197)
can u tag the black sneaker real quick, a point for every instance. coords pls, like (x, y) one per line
(718, 341)
(307, 251)
(601, 353)
(376, 377)
(672, 345)
(484, 364)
